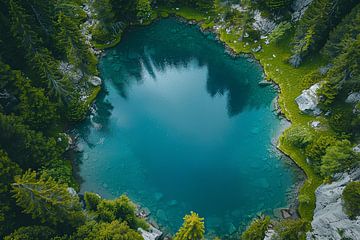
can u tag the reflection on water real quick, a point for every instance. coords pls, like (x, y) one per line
(181, 126)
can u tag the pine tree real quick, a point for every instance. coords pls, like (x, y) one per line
(47, 200)
(8, 170)
(192, 229)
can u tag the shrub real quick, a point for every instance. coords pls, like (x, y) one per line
(92, 200)
(299, 136)
(291, 229)
(257, 229)
(351, 197)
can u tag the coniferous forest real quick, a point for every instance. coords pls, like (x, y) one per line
(49, 52)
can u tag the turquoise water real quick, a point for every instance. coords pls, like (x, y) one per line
(180, 126)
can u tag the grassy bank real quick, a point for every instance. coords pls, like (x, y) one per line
(273, 58)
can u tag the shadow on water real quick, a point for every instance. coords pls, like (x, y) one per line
(148, 52)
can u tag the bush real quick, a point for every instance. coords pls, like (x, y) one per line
(291, 229)
(338, 158)
(317, 149)
(92, 200)
(257, 229)
(299, 136)
(351, 197)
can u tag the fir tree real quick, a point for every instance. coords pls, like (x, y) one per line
(47, 200)
(192, 229)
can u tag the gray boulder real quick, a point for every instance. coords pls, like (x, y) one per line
(353, 98)
(262, 24)
(151, 234)
(329, 216)
(95, 81)
(308, 100)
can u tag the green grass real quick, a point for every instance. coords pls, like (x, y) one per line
(273, 58)
(95, 91)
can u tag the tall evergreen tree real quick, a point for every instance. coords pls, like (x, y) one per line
(192, 229)
(47, 200)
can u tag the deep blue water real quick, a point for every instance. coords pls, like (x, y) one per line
(180, 126)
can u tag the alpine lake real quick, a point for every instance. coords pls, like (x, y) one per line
(181, 125)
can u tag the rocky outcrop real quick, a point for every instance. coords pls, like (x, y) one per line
(262, 24)
(71, 72)
(330, 219)
(299, 7)
(353, 98)
(151, 234)
(308, 100)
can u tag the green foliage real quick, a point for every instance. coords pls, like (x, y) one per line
(8, 170)
(277, 34)
(317, 149)
(114, 230)
(192, 229)
(351, 197)
(299, 136)
(257, 229)
(314, 27)
(47, 200)
(32, 232)
(29, 149)
(278, 4)
(291, 229)
(121, 209)
(92, 201)
(338, 157)
(143, 9)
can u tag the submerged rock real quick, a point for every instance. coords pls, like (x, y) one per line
(308, 100)
(329, 216)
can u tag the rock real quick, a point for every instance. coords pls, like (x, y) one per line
(72, 191)
(95, 81)
(151, 234)
(70, 71)
(269, 234)
(315, 124)
(299, 7)
(262, 24)
(295, 60)
(264, 83)
(329, 217)
(357, 148)
(257, 49)
(231, 228)
(308, 100)
(353, 98)
(285, 213)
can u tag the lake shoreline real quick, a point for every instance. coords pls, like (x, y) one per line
(293, 205)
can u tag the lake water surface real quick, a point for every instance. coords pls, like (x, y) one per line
(180, 126)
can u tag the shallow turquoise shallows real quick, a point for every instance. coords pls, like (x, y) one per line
(180, 126)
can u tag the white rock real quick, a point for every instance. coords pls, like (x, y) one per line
(357, 148)
(71, 191)
(315, 124)
(269, 234)
(329, 216)
(308, 100)
(353, 98)
(151, 234)
(95, 81)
